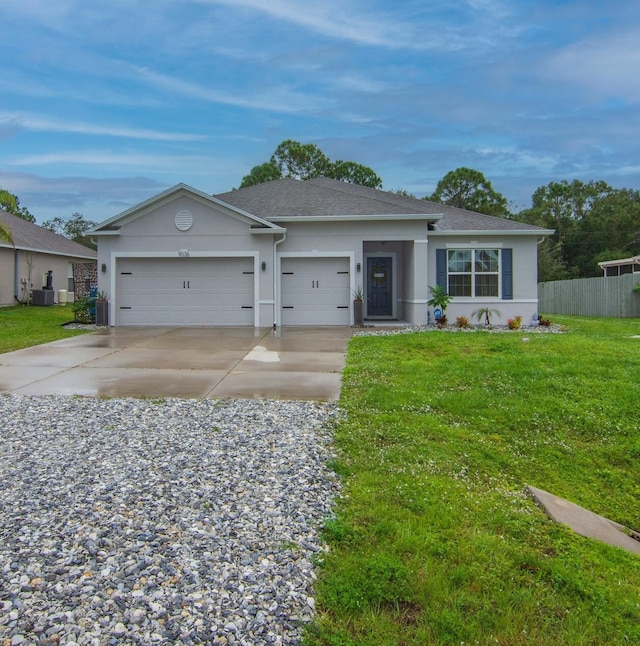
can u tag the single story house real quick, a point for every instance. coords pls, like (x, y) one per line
(291, 252)
(621, 266)
(35, 251)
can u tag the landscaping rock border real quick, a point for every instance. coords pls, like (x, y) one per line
(476, 329)
(160, 522)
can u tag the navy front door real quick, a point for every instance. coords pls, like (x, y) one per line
(379, 290)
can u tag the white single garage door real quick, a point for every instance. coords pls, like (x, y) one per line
(185, 291)
(315, 291)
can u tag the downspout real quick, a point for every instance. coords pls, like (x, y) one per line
(275, 279)
(16, 275)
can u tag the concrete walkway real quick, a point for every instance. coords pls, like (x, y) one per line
(584, 522)
(196, 363)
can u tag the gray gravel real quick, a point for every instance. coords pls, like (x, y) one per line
(173, 521)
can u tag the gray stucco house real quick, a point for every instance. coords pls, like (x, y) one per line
(293, 252)
(36, 251)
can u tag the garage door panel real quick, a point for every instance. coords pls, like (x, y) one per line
(315, 291)
(185, 291)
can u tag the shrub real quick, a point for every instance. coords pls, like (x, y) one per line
(442, 320)
(80, 308)
(545, 322)
(515, 323)
(462, 322)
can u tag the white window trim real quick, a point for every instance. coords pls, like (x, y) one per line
(472, 273)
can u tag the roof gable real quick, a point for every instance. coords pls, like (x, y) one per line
(113, 224)
(28, 236)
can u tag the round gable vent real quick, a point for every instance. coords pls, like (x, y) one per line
(184, 220)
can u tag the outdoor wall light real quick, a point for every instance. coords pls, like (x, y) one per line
(264, 266)
(104, 268)
(358, 266)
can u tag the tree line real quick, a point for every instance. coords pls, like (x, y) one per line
(592, 221)
(73, 228)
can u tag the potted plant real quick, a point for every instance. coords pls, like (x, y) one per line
(439, 301)
(358, 306)
(102, 308)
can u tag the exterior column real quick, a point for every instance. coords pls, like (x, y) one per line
(419, 283)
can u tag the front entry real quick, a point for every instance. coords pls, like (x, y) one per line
(379, 286)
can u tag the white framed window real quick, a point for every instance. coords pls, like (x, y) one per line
(473, 272)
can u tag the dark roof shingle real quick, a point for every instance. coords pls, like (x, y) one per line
(322, 196)
(27, 235)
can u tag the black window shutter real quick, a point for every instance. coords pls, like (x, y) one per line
(507, 274)
(441, 268)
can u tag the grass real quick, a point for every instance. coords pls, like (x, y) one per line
(434, 540)
(21, 326)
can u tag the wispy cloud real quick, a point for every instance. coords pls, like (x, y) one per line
(606, 65)
(359, 23)
(330, 19)
(276, 99)
(42, 124)
(105, 158)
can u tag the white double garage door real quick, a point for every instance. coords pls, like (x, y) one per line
(222, 291)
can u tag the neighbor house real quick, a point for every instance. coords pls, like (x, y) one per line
(34, 253)
(291, 252)
(621, 266)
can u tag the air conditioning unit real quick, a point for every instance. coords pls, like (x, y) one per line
(42, 296)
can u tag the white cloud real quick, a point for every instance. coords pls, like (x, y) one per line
(103, 158)
(415, 29)
(330, 19)
(42, 124)
(279, 99)
(358, 83)
(605, 66)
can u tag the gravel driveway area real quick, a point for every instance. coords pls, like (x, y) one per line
(126, 521)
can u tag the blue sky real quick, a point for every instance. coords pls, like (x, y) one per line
(106, 103)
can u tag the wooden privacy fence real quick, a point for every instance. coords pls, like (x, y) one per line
(611, 297)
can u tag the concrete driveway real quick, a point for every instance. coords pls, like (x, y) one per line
(198, 363)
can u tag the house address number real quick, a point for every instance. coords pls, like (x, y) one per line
(183, 253)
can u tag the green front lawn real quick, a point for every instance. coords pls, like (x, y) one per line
(21, 326)
(434, 540)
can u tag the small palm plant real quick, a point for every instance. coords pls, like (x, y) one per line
(487, 313)
(439, 298)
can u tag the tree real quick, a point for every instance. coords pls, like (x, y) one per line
(353, 173)
(610, 230)
(11, 204)
(74, 228)
(404, 193)
(551, 263)
(5, 233)
(306, 161)
(266, 172)
(591, 220)
(300, 161)
(468, 189)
